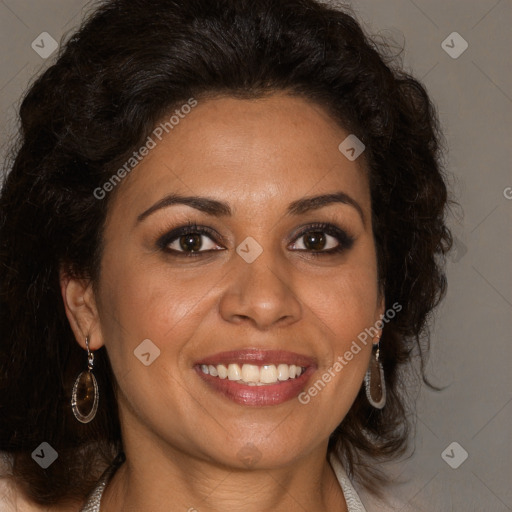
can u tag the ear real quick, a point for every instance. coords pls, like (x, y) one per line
(81, 310)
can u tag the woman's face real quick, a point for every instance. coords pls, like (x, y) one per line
(253, 280)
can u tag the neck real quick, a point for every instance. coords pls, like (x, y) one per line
(153, 480)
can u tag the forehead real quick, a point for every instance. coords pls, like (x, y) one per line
(248, 153)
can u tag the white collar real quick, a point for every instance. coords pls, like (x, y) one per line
(351, 497)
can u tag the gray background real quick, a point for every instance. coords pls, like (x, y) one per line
(471, 351)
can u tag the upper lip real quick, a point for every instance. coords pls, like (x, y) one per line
(258, 356)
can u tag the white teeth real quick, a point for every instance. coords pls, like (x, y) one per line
(283, 372)
(234, 372)
(254, 375)
(222, 370)
(250, 373)
(268, 374)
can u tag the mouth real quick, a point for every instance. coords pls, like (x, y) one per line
(256, 377)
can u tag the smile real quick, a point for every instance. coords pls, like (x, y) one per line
(256, 377)
(253, 375)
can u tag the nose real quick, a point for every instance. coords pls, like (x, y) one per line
(260, 293)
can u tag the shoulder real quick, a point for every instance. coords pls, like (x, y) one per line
(11, 499)
(7, 491)
(7, 502)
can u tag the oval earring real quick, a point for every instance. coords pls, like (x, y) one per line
(374, 381)
(85, 396)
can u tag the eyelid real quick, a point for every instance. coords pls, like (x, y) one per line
(344, 239)
(317, 226)
(191, 227)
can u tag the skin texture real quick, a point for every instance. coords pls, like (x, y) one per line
(182, 440)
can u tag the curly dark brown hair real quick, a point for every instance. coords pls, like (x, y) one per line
(129, 64)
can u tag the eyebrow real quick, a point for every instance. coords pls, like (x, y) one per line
(219, 209)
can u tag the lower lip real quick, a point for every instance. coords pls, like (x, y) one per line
(270, 394)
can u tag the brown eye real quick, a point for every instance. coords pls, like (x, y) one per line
(323, 239)
(191, 240)
(317, 241)
(314, 241)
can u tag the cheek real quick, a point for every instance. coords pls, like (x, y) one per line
(155, 302)
(345, 302)
(149, 304)
(342, 307)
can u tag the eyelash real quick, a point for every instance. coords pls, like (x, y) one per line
(345, 241)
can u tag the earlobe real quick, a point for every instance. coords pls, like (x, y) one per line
(81, 310)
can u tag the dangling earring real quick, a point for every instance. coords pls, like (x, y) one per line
(84, 399)
(374, 381)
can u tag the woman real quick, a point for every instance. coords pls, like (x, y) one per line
(220, 241)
